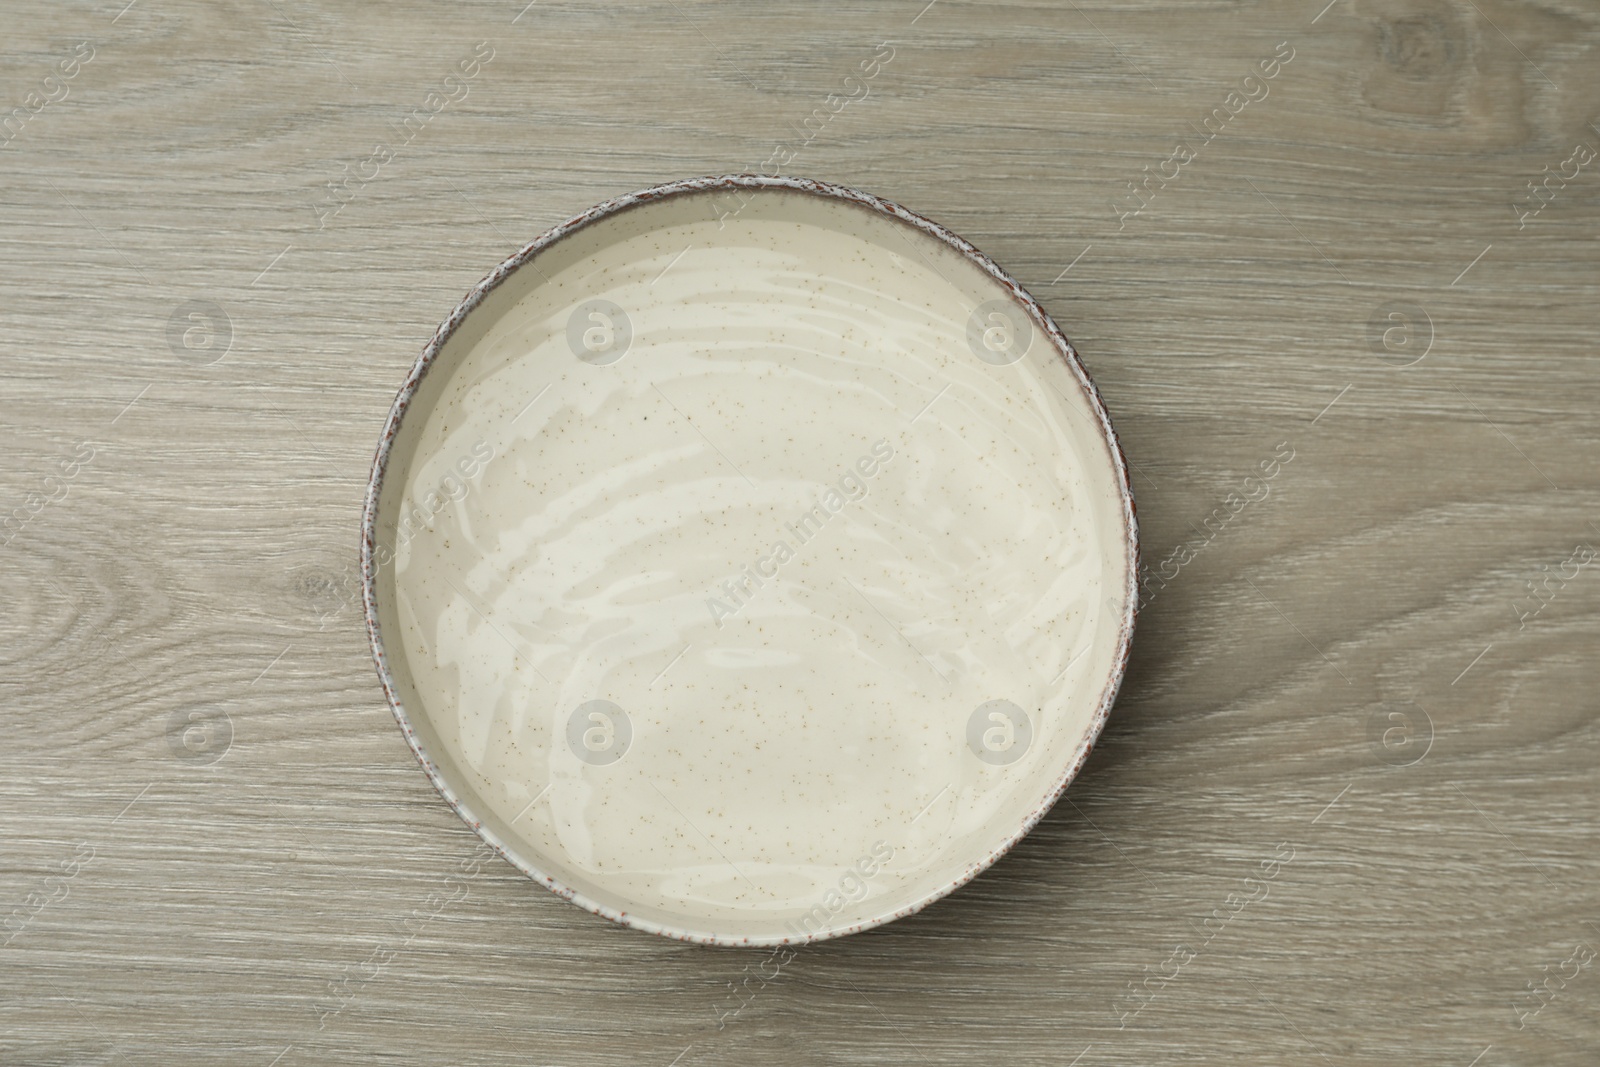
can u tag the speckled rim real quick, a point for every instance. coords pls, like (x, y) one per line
(369, 518)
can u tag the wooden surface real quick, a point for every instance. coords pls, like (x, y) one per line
(287, 889)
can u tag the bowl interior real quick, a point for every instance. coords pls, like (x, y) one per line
(750, 564)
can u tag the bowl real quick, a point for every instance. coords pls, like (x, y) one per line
(749, 560)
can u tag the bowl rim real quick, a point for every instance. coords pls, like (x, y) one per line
(617, 205)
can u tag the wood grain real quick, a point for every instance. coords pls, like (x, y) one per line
(281, 904)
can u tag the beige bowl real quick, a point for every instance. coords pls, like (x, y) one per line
(750, 560)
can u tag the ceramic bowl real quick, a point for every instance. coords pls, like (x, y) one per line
(750, 560)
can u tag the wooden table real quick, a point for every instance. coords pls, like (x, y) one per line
(1370, 692)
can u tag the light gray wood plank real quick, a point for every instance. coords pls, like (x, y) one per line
(203, 560)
